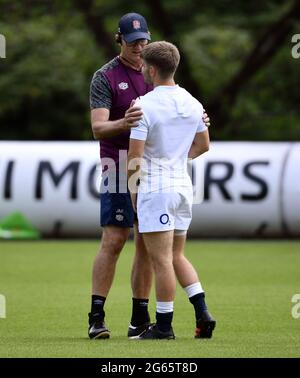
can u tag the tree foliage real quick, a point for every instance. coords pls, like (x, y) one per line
(236, 58)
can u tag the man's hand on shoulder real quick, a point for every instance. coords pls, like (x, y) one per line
(206, 119)
(132, 116)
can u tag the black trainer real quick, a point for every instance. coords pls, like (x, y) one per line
(97, 328)
(205, 326)
(136, 332)
(154, 333)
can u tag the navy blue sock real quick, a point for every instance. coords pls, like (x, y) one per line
(97, 306)
(164, 321)
(140, 314)
(198, 301)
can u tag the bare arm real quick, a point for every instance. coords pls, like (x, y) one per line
(200, 145)
(135, 155)
(103, 128)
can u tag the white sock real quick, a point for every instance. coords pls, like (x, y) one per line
(194, 289)
(164, 307)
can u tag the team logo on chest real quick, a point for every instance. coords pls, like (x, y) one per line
(123, 86)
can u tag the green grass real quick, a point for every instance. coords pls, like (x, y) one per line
(249, 286)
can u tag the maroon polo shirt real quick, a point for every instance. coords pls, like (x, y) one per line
(113, 87)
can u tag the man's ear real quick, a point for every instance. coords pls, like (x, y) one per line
(152, 71)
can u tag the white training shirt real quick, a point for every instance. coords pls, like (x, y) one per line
(171, 119)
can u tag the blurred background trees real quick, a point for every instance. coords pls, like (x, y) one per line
(236, 59)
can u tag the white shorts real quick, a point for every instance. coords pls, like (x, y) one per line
(164, 211)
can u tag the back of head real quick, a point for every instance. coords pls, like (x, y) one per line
(163, 55)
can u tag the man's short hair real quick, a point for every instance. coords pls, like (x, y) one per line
(163, 55)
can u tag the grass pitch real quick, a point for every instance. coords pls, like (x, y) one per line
(249, 286)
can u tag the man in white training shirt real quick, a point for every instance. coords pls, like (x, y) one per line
(170, 132)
